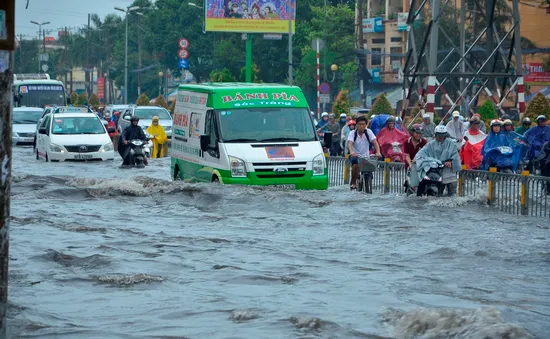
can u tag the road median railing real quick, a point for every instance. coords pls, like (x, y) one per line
(522, 194)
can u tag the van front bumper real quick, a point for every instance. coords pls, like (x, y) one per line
(305, 182)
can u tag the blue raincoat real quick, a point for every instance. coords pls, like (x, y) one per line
(492, 155)
(536, 137)
(379, 122)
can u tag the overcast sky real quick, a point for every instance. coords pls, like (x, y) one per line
(60, 13)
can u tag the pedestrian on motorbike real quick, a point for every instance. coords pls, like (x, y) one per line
(110, 123)
(359, 141)
(345, 135)
(470, 152)
(414, 144)
(333, 127)
(456, 128)
(525, 125)
(428, 127)
(159, 138)
(343, 120)
(442, 150)
(537, 136)
(132, 132)
(392, 141)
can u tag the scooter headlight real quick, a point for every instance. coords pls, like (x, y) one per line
(137, 142)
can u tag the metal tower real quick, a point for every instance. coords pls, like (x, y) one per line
(457, 49)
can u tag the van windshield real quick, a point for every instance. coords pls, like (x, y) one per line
(265, 124)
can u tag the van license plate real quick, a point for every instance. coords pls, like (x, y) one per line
(82, 157)
(286, 187)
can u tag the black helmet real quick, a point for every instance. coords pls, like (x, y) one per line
(134, 118)
(526, 121)
(390, 119)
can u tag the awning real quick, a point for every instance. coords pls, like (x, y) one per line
(545, 91)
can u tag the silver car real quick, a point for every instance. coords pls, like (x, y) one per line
(145, 115)
(24, 123)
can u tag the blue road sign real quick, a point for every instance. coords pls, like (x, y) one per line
(183, 63)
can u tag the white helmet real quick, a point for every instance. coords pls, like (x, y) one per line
(107, 115)
(325, 114)
(440, 129)
(343, 115)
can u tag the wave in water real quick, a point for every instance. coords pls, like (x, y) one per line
(485, 323)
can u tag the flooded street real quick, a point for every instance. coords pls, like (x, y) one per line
(101, 252)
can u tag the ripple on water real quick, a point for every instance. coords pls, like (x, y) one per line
(128, 279)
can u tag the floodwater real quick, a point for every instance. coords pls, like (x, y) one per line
(101, 252)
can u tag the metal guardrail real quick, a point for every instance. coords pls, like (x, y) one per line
(522, 194)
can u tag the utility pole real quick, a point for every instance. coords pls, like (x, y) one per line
(290, 75)
(39, 37)
(361, 43)
(21, 53)
(87, 74)
(139, 56)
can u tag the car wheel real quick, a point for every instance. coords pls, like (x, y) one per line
(47, 159)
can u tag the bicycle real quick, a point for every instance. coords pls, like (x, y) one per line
(367, 166)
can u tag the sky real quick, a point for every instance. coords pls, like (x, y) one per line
(60, 13)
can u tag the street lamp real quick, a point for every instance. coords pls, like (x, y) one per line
(192, 4)
(39, 36)
(334, 69)
(161, 74)
(127, 11)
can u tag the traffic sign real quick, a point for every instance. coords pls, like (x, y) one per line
(324, 88)
(183, 63)
(183, 43)
(45, 67)
(183, 54)
(314, 44)
(325, 98)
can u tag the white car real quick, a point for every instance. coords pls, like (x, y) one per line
(73, 136)
(145, 115)
(24, 123)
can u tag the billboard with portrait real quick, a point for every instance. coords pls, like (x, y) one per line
(249, 16)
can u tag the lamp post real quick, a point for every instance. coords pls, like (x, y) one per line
(161, 75)
(290, 75)
(334, 69)
(127, 11)
(39, 37)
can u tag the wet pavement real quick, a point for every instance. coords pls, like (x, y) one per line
(102, 252)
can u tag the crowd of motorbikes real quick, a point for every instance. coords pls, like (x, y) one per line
(512, 158)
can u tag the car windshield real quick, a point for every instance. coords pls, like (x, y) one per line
(26, 117)
(77, 125)
(266, 124)
(149, 113)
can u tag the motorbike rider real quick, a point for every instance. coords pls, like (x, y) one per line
(414, 144)
(159, 138)
(359, 141)
(390, 135)
(343, 120)
(537, 136)
(333, 127)
(444, 150)
(132, 132)
(470, 153)
(110, 123)
(345, 135)
(508, 125)
(525, 125)
(456, 128)
(428, 127)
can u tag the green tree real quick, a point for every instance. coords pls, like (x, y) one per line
(74, 98)
(538, 106)
(255, 74)
(341, 105)
(223, 75)
(381, 106)
(487, 111)
(82, 100)
(349, 75)
(143, 100)
(160, 101)
(94, 101)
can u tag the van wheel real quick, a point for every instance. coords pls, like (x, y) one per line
(177, 176)
(215, 179)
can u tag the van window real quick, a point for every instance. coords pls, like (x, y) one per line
(211, 129)
(265, 124)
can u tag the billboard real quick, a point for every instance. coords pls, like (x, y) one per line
(535, 74)
(249, 16)
(373, 25)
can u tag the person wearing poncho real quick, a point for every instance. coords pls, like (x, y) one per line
(159, 138)
(389, 135)
(470, 153)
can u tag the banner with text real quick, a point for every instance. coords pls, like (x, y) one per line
(535, 74)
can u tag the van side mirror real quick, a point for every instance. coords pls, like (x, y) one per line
(111, 129)
(205, 143)
(42, 130)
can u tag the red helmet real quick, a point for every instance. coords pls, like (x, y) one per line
(351, 122)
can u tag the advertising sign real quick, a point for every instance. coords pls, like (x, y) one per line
(375, 74)
(373, 25)
(535, 74)
(100, 87)
(249, 16)
(402, 21)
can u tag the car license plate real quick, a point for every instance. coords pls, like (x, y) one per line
(82, 157)
(285, 187)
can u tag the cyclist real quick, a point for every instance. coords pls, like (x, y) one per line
(359, 141)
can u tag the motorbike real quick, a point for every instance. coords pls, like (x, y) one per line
(501, 157)
(148, 146)
(393, 151)
(434, 179)
(136, 153)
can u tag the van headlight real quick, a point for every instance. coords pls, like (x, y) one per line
(56, 148)
(238, 168)
(319, 165)
(108, 147)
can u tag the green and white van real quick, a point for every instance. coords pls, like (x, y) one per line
(247, 134)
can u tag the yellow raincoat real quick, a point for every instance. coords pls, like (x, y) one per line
(159, 138)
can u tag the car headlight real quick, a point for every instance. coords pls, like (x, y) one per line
(108, 147)
(238, 168)
(167, 128)
(56, 148)
(319, 165)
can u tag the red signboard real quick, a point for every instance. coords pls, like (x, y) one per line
(535, 74)
(100, 87)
